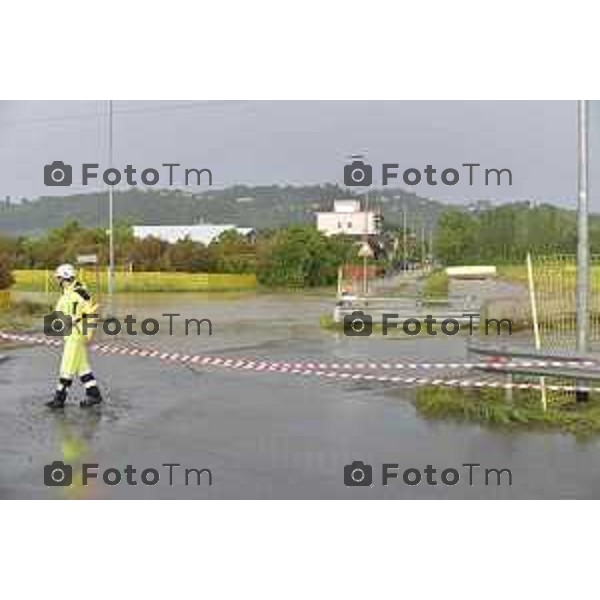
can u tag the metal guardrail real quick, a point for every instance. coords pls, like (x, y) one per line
(509, 352)
(569, 365)
(406, 308)
(549, 371)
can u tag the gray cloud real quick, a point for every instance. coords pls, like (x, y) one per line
(300, 142)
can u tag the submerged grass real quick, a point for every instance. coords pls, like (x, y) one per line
(22, 314)
(490, 408)
(436, 284)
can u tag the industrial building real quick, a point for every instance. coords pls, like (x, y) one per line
(203, 233)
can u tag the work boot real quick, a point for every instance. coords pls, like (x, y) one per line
(92, 397)
(58, 401)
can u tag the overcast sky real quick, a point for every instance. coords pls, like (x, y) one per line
(299, 142)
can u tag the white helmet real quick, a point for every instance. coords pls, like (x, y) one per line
(65, 272)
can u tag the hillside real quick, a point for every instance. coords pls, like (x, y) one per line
(260, 207)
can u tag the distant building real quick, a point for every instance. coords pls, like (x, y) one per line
(203, 233)
(348, 218)
(479, 206)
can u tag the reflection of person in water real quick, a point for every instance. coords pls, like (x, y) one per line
(75, 450)
(346, 299)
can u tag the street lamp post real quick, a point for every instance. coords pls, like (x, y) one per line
(111, 236)
(404, 241)
(583, 251)
(366, 241)
(431, 245)
(365, 251)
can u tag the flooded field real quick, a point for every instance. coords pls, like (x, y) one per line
(261, 434)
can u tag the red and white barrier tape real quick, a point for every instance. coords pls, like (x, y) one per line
(333, 370)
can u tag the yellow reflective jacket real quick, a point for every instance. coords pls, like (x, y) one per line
(76, 302)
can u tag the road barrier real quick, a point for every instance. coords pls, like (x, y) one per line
(345, 371)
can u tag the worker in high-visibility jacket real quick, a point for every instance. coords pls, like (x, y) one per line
(76, 304)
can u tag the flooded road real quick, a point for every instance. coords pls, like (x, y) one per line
(261, 434)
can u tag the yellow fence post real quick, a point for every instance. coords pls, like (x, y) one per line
(536, 328)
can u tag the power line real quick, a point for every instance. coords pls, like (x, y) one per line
(192, 105)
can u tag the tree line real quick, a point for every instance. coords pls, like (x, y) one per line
(300, 256)
(295, 256)
(505, 234)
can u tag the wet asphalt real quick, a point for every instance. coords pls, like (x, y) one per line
(262, 435)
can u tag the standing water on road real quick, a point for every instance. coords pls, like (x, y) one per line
(265, 435)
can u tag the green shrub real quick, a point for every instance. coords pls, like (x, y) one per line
(6, 277)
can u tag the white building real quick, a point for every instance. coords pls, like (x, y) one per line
(204, 234)
(348, 218)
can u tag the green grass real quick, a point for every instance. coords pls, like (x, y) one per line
(567, 272)
(5, 300)
(22, 314)
(514, 273)
(436, 284)
(490, 408)
(40, 281)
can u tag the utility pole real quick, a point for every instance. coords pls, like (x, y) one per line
(431, 245)
(404, 246)
(583, 250)
(111, 236)
(366, 241)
